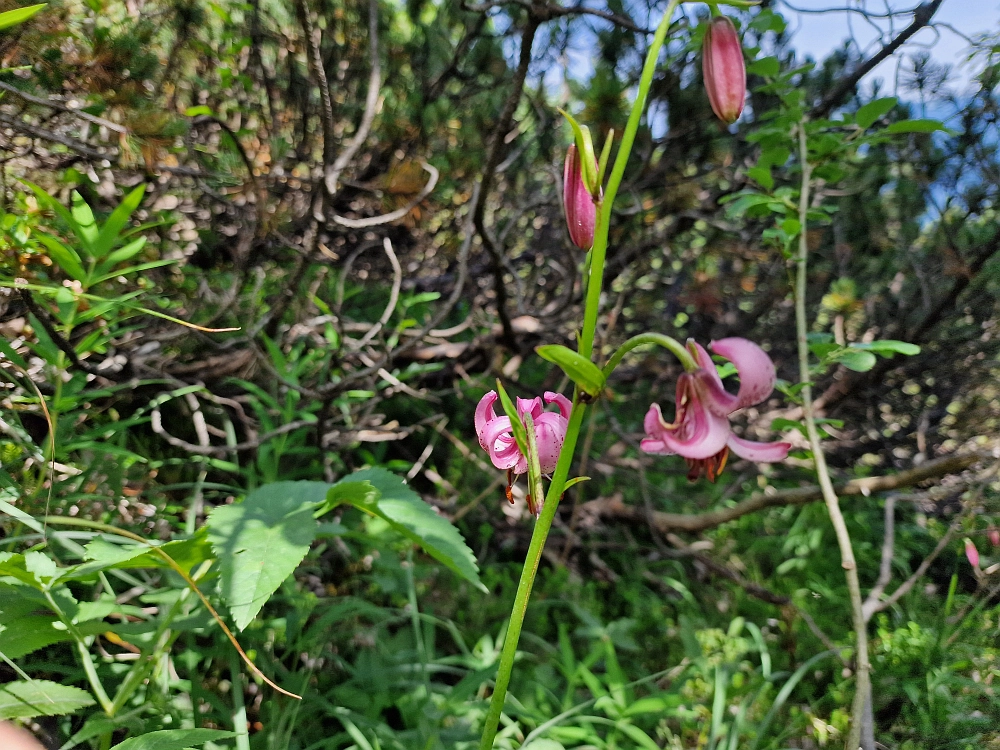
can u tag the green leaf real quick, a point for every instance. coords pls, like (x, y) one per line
(762, 176)
(261, 541)
(516, 425)
(201, 109)
(66, 257)
(18, 15)
(10, 353)
(868, 114)
(915, 126)
(25, 700)
(84, 223)
(855, 359)
(405, 512)
(578, 368)
(889, 347)
(637, 735)
(766, 66)
(26, 518)
(173, 739)
(109, 234)
(27, 625)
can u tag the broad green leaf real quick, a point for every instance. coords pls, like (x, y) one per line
(27, 626)
(762, 176)
(578, 368)
(85, 224)
(173, 739)
(915, 126)
(25, 700)
(261, 541)
(403, 509)
(868, 114)
(856, 359)
(13, 566)
(46, 200)
(18, 15)
(766, 66)
(109, 234)
(889, 347)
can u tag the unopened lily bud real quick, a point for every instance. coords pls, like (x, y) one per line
(971, 553)
(994, 535)
(581, 211)
(723, 69)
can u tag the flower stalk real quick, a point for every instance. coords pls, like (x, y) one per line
(585, 348)
(862, 697)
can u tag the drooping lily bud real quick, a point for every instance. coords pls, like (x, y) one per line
(971, 553)
(723, 69)
(581, 212)
(994, 536)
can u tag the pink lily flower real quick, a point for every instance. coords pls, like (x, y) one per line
(497, 439)
(701, 432)
(971, 553)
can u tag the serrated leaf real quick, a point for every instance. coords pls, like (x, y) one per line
(173, 739)
(27, 626)
(18, 15)
(25, 700)
(578, 368)
(403, 509)
(261, 541)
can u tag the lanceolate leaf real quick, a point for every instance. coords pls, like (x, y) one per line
(578, 368)
(173, 739)
(24, 700)
(18, 15)
(402, 508)
(109, 234)
(261, 541)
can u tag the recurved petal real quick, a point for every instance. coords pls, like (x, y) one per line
(564, 404)
(531, 406)
(484, 414)
(699, 433)
(709, 385)
(755, 368)
(499, 443)
(767, 453)
(550, 434)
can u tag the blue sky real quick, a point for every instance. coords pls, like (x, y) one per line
(820, 33)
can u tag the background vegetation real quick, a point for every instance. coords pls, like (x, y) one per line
(354, 208)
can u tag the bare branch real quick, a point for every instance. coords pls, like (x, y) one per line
(612, 508)
(921, 17)
(63, 107)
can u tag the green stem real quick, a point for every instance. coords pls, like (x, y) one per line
(673, 345)
(239, 707)
(863, 685)
(86, 659)
(594, 287)
(586, 348)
